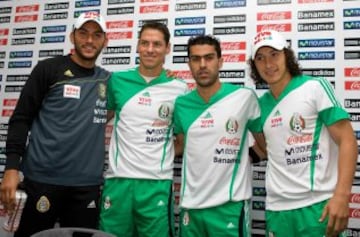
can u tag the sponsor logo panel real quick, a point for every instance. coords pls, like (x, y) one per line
(190, 6)
(316, 55)
(316, 43)
(316, 14)
(55, 16)
(321, 26)
(352, 54)
(120, 10)
(273, 16)
(24, 31)
(56, 6)
(351, 42)
(285, 27)
(92, 3)
(229, 4)
(51, 53)
(28, 8)
(352, 85)
(319, 72)
(229, 18)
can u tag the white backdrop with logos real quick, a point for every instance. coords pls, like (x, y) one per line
(324, 33)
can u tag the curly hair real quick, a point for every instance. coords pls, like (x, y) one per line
(291, 64)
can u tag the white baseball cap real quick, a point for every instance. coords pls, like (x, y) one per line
(90, 16)
(269, 38)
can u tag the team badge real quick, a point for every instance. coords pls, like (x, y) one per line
(297, 123)
(43, 204)
(102, 91)
(164, 111)
(107, 203)
(232, 125)
(186, 218)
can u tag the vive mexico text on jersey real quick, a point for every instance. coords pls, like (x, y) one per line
(141, 143)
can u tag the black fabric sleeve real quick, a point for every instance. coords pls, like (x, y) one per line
(27, 108)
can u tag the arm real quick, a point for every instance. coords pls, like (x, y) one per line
(110, 115)
(337, 208)
(257, 152)
(179, 144)
(26, 110)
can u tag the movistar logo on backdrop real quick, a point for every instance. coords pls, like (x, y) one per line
(52, 39)
(87, 3)
(19, 64)
(21, 54)
(351, 25)
(190, 20)
(189, 32)
(228, 3)
(308, 43)
(53, 29)
(351, 12)
(316, 55)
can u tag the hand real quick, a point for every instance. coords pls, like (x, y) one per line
(8, 188)
(337, 209)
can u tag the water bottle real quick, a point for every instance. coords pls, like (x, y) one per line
(12, 219)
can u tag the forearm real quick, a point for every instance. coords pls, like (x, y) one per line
(346, 167)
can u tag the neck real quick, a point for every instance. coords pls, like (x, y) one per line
(208, 91)
(83, 62)
(278, 87)
(150, 72)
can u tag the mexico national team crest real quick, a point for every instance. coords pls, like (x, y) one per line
(102, 91)
(164, 111)
(43, 204)
(232, 125)
(186, 219)
(297, 123)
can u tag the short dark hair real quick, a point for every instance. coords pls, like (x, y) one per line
(292, 65)
(204, 39)
(156, 26)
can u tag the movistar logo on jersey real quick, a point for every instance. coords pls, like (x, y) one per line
(145, 99)
(297, 123)
(207, 121)
(232, 126)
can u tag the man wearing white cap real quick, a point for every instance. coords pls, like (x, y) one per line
(311, 147)
(63, 106)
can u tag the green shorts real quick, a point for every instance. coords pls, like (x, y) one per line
(231, 219)
(302, 222)
(137, 207)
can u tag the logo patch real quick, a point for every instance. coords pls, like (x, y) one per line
(43, 204)
(71, 91)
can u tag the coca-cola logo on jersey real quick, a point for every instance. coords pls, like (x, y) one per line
(352, 72)
(355, 198)
(352, 85)
(354, 213)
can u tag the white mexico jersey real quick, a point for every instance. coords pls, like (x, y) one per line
(216, 167)
(141, 144)
(302, 157)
